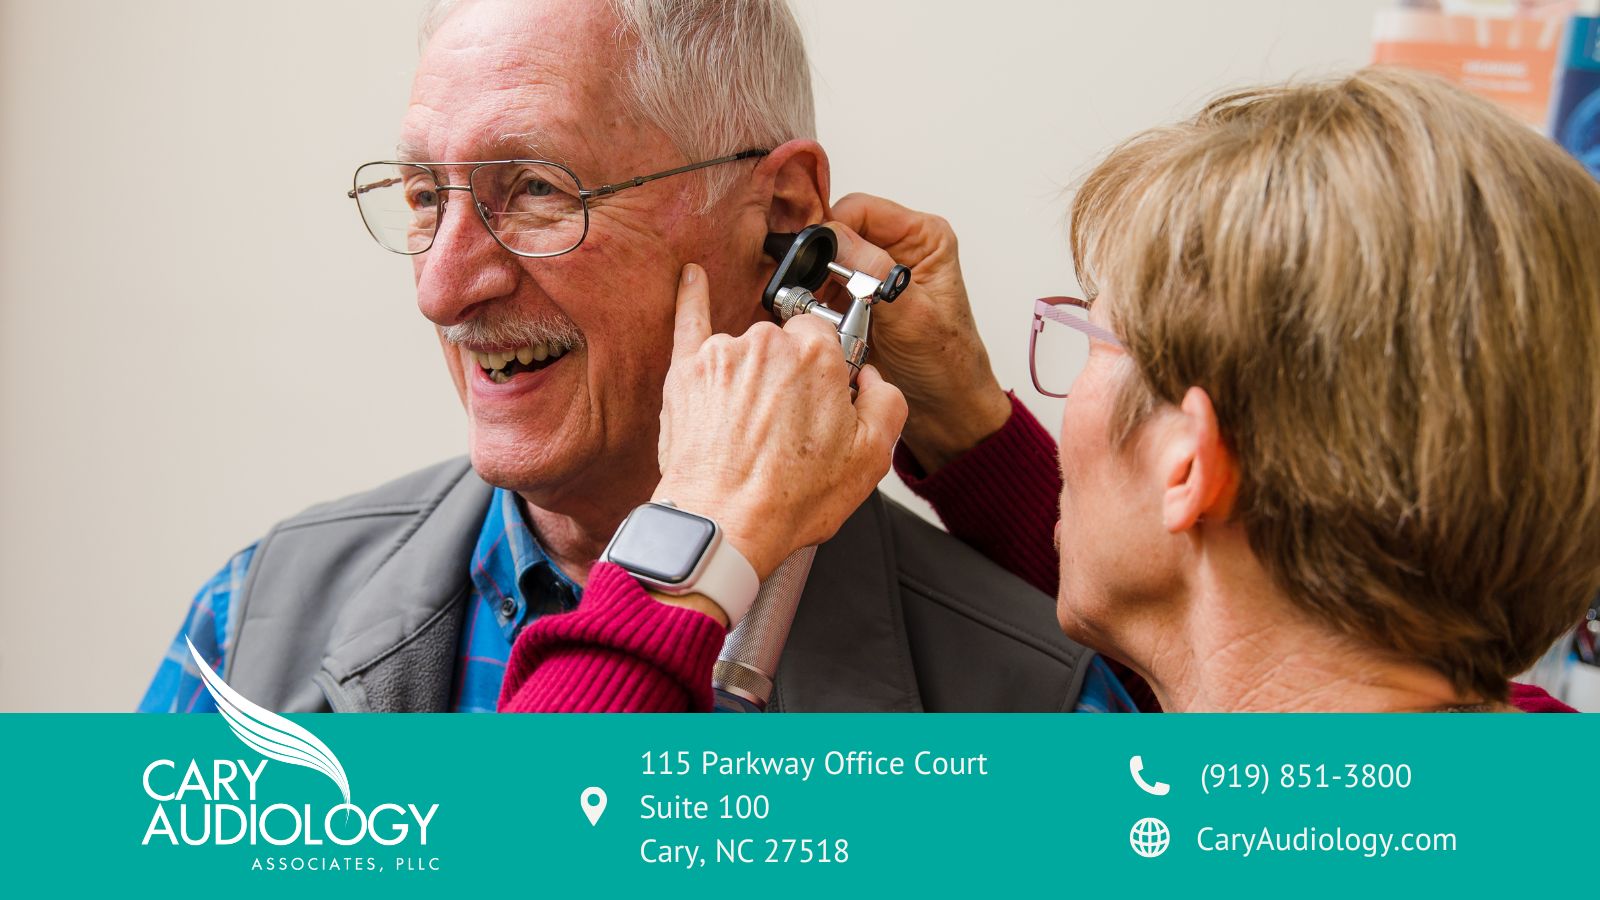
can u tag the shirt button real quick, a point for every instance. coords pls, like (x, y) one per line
(508, 607)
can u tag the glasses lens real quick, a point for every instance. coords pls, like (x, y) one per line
(533, 208)
(1060, 352)
(400, 205)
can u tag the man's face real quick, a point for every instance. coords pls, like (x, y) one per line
(506, 80)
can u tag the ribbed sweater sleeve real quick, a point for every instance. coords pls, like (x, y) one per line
(1001, 497)
(619, 651)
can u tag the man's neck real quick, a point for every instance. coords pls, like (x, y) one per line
(575, 537)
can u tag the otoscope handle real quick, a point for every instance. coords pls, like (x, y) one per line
(748, 664)
(744, 672)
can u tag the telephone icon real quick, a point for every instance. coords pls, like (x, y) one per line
(1135, 767)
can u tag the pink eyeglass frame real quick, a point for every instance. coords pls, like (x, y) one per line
(1050, 308)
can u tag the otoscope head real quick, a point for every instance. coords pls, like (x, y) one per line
(802, 260)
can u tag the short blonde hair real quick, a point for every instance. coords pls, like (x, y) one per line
(1391, 292)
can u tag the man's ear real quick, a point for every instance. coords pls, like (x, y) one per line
(1201, 474)
(792, 181)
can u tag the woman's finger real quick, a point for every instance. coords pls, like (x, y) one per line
(692, 324)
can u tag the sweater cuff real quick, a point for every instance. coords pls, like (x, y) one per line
(619, 651)
(1019, 460)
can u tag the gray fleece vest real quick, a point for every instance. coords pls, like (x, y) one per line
(357, 605)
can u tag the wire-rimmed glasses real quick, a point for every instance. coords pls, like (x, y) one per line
(533, 207)
(1058, 348)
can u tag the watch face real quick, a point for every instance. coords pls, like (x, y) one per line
(662, 544)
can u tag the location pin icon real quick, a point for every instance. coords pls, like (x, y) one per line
(593, 802)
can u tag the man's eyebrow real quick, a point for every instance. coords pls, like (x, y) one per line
(519, 145)
(405, 151)
(530, 145)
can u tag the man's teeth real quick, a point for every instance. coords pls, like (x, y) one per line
(526, 355)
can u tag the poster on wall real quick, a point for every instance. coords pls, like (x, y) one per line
(1504, 51)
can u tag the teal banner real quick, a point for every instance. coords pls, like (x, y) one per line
(797, 805)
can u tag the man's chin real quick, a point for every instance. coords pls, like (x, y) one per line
(566, 468)
(528, 467)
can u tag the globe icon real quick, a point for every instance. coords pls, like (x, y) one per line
(1150, 838)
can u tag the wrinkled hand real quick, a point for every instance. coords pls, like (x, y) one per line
(758, 432)
(926, 342)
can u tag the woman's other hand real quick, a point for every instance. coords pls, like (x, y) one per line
(926, 342)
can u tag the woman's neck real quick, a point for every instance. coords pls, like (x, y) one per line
(1246, 646)
(1322, 675)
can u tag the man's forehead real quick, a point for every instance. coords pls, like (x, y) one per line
(501, 28)
(514, 80)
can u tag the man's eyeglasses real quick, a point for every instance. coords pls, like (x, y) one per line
(533, 207)
(1059, 346)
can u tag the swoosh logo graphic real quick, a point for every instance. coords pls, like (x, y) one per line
(268, 733)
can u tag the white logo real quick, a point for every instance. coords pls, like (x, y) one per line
(268, 733)
(1149, 838)
(217, 802)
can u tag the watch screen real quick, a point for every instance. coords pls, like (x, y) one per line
(662, 544)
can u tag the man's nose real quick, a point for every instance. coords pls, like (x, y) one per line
(465, 266)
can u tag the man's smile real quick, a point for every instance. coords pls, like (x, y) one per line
(501, 366)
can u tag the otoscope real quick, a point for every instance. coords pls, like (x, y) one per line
(745, 670)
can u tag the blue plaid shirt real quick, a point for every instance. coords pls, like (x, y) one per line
(513, 583)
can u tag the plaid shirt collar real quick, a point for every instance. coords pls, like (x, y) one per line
(511, 571)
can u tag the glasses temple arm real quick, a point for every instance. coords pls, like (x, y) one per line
(363, 188)
(605, 189)
(1078, 324)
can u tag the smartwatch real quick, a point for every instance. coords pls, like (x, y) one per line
(678, 552)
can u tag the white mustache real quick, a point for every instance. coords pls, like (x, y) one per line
(504, 331)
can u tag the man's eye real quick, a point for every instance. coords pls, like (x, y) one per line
(537, 187)
(423, 199)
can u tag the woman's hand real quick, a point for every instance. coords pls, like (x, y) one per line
(758, 432)
(926, 342)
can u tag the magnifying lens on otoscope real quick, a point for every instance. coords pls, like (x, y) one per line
(805, 261)
(745, 670)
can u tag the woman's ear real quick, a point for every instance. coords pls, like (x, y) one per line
(792, 181)
(1202, 476)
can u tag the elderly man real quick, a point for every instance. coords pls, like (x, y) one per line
(559, 164)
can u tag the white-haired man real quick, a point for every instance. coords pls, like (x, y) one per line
(559, 164)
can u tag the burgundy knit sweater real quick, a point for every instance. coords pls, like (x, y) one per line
(621, 651)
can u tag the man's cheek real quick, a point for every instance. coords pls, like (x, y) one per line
(633, 347)
(452, 363)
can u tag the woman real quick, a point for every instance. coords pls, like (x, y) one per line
(1329, 450)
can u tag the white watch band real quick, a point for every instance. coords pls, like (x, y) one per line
(727, 578)
(721, 574)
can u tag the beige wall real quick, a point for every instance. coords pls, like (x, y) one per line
(197, 337)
